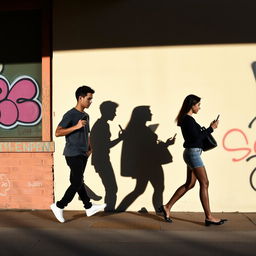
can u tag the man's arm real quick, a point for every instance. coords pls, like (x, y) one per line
(88, 153)
(116, 141)
(60, 131)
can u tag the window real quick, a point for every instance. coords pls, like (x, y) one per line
(21, 76)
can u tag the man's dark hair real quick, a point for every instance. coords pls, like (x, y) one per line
(83, 90)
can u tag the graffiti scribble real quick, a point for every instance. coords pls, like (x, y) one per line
(248, 152)
(19, 104)
(246, 149)
(35, 184)
(4, 184)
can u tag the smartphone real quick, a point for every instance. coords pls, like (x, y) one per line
(84, 118)
(121, 127)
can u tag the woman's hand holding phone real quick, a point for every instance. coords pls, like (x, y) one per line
(217, 119)
(215, 123)
(171, 140)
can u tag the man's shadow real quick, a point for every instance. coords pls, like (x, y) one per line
(100, 138)
(140, 158)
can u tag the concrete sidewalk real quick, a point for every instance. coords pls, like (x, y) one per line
(128, 233)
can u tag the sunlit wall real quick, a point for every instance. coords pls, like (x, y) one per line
(161, 77)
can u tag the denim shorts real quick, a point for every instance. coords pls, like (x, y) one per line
(192, 157)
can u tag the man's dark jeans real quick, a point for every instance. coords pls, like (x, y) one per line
(77, 166)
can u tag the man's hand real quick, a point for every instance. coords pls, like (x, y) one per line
(80, 124)
(121, 134)
(60, 131)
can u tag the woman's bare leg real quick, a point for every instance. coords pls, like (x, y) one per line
(201, 176)
(190, 183)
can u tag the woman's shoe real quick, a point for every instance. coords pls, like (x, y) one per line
(167, 219)
(208, 222)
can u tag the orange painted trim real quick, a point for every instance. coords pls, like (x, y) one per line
(46, 99)
(18, 147)
(46, 74)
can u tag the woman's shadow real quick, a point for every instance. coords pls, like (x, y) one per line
(140, 159)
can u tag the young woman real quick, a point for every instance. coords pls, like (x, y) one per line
(193, 136)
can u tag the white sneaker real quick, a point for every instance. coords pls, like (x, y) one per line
(57, 212)
(94, 209)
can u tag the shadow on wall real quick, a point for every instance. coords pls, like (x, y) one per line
(141, 158)
(101, 143)
(254, 69)
(84, 24)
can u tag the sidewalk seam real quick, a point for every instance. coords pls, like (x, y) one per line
(251, 220)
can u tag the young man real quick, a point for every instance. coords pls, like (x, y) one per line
(75, 127)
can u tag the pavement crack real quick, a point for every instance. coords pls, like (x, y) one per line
(250, 219)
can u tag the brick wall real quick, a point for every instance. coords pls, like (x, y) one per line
(26, 180)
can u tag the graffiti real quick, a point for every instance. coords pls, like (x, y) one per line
(4, 185)
(19, 104)
(35, 184)
(247, 152)
(43, 146)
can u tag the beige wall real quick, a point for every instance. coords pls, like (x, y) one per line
(161, 77)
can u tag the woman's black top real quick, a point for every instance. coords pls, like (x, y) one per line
(192, 133)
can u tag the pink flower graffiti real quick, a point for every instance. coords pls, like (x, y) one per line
(19, 104)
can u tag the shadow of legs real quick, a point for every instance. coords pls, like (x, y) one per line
(130, 198)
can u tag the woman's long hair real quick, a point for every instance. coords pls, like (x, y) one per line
(139, 116)
(188, 103)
